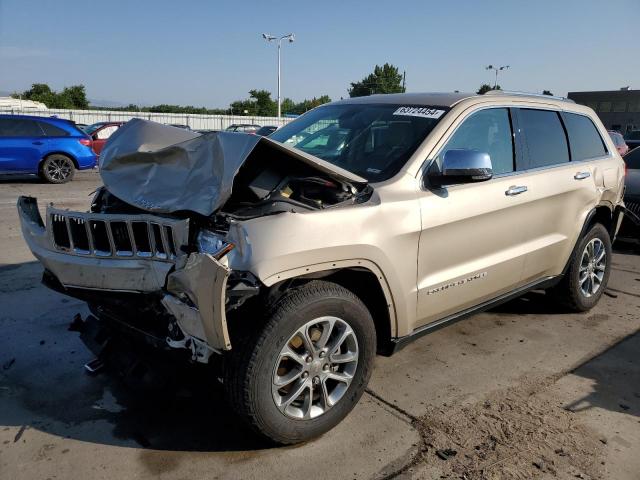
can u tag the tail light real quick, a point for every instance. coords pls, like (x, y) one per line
(85, 141)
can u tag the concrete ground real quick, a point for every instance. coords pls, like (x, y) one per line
(524, 391)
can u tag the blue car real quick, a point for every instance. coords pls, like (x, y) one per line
(50, 147)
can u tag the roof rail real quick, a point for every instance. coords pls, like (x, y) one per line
(527, 94)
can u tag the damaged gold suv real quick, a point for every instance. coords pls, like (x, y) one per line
(290, 261)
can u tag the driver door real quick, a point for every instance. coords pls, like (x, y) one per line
(471, 245)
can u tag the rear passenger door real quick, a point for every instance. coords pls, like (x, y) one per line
(558, 183)
(21, 143)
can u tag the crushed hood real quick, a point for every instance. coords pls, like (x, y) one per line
(165, 169)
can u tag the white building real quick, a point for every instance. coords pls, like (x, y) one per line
(10, 103)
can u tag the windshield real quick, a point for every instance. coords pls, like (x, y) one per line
(370, 140)
(92, 128)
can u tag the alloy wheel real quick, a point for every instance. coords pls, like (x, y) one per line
(315, 368)
(593, 265)
(59, 169)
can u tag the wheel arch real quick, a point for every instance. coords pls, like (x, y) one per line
(603, 214)
(57, 152)
(364, 279)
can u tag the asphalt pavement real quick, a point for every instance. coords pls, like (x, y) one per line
(523, 391)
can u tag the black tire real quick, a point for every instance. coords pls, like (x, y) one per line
(251, 366)
(57, 168)
(570, 291)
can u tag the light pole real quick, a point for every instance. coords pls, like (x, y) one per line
(271, 38)
(497, 69)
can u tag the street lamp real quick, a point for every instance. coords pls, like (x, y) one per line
(497, 69)
(271, 38)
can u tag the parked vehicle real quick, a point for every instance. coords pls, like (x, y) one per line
(630, 228)
(179, 125)
(243, 127)
(266, 130)
(205, 130)
(50, 147)
(632, 139)
(618, 141)
(101, 132)
(344, 234)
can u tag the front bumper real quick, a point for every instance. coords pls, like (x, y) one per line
(114, 253)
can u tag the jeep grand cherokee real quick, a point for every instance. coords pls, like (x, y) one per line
(292, 260)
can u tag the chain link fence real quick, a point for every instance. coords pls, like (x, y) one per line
(193, 121)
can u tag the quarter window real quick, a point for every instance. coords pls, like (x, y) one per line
(52, 131)
(546, 142)
(487, 131)
(584, 138)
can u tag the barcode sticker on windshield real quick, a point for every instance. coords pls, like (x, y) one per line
(424, 112)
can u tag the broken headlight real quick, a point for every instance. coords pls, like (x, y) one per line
(213, 244)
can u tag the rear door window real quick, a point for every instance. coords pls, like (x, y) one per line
(545, 139)
(584, 139)
(17, 127)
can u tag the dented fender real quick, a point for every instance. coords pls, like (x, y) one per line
(203, 280)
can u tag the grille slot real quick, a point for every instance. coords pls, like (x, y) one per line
(121, 239)
(116, 236)
(79, 235)
(171, 246)
(60, 232)
(101, 245)
(141, 238)
(158, 243)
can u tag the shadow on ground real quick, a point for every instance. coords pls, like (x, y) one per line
(43, 384)
(615, 377)
(4, 178)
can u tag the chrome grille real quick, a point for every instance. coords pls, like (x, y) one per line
(117, 236)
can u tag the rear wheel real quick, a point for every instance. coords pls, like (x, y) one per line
(589, 271)
(57, 168)
(301, 373)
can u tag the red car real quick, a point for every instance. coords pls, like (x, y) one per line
(100, 133)
(618, 141)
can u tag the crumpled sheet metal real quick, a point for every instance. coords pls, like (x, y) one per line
(203, 279)
(166, 169)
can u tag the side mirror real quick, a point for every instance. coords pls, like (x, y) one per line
(462, 166)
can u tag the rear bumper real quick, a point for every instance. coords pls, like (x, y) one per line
(193, 286)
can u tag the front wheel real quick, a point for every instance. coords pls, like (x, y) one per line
(57, 169)
(588, 272)
(301, 373)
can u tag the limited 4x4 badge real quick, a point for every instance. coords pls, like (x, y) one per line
(456, 283)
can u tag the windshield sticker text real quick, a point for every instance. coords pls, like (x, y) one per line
(423, 112)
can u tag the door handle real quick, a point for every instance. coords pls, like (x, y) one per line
(515, 190)
(582, 175)
(38, 143)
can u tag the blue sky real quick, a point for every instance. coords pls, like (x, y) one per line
(211, 52)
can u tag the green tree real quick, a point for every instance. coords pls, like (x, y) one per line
(264, 105)
(74, 96)
(384, 79)
(70, 97)
(485, 87)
